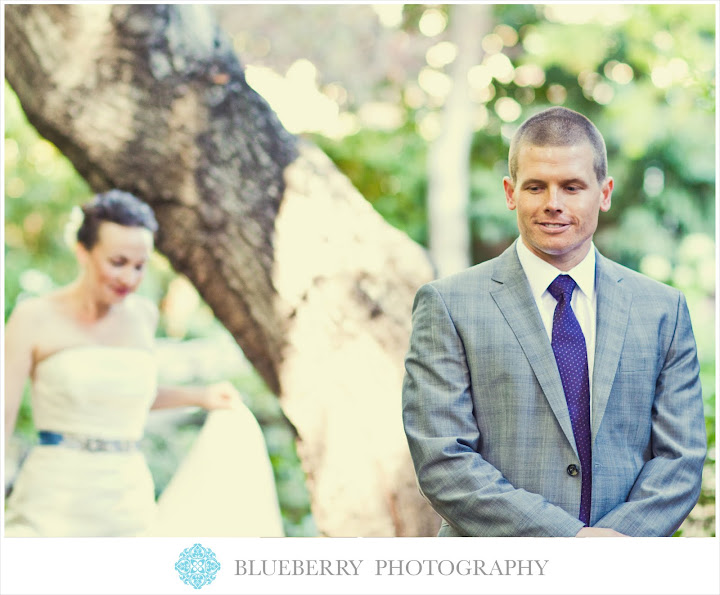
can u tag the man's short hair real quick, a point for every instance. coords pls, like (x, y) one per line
(559, 127)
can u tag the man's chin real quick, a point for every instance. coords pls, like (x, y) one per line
(551, 249)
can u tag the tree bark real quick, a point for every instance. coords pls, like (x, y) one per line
(315, 287)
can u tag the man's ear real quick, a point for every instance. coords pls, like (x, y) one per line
(509, 187)
(606, 194)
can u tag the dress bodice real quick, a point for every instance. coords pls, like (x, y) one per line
(99, 391)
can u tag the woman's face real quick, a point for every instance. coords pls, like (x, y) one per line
(115, 265)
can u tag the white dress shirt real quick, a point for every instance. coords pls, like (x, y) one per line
(541, 274)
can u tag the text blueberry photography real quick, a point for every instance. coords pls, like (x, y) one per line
(197, 566)
(426, 567)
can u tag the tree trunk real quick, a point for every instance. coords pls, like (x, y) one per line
(315, 287)
(449, 155)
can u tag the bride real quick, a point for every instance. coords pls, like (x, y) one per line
(87, 349)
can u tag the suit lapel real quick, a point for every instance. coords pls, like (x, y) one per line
(514, 298)
(613, 309)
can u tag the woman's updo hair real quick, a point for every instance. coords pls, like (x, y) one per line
(114, 206)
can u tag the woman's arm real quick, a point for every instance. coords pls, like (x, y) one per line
(18, 361)
(221, 395)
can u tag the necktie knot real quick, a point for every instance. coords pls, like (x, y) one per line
(563, 285)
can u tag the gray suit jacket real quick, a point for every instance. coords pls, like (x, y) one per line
(487, 422)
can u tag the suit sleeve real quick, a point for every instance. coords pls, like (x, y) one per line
(668, 485)
(467, 491)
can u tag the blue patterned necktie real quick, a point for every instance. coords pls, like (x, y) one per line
(568, 344)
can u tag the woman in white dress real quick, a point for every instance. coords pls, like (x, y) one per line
(87, 349)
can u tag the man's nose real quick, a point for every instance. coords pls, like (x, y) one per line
(552, 201)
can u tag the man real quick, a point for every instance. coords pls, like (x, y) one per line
(551, 391)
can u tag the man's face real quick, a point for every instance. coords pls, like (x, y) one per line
(558, 199)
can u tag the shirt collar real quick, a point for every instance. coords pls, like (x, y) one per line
(540, 273)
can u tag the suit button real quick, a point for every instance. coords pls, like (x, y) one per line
(572, 470)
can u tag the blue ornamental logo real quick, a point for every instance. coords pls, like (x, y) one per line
(197, 566)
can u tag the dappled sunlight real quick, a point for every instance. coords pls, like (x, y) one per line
(429, 126)
(390, 15)
(492, 43)
(481, 117)
(619, 72)
(557, 94)
(508, 109)
(432, 22)
(500, 67)
(674, 72)
(11, 152)
(381, 115)
(697, 253)
(653, 181)
(43, 155)
(435, 83)
(296, 99)
(14, 188)
(36, 282)
(302, 107)
(656, 266)
(441, 54)
(529, 75)
(413, 96)
(479, 77)
(603, 93)
(534, 42)
(577, 14)
(663, 40)
(508, 34)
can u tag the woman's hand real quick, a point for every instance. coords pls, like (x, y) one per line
(220, 395)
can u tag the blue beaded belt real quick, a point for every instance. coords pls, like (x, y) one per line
(86, 442)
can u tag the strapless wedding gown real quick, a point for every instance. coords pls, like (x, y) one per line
(106, 393)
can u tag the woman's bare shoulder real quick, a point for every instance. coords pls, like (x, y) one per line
(48, 304)
(32, 310)
(30, 317)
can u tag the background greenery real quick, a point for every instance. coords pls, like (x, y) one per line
(645, 74)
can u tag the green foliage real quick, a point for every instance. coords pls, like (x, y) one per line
(389, 170)
(40, 187)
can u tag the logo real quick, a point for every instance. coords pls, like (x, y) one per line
(197, 566)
